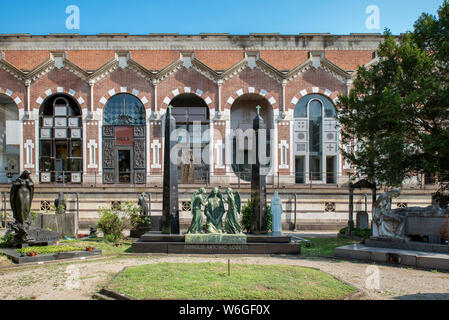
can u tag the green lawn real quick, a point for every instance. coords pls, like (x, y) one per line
(325, 246)
(210, 281)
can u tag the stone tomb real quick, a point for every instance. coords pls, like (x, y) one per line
(156, 242)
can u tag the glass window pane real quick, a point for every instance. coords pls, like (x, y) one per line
(76, 165)
(315, 109)
(46, 148)
(124, 109)
(315, 167)
(76, 149)
(301, 109)
(46, 164)
(329, 109)
(61, 150)
(135, 109)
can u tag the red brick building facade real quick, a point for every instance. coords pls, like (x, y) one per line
(231, 74)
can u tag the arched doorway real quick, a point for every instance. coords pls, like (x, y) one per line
(61, 143)
(192, 114)
(124, 140)
(243, 112)
(315, 138)
(9, 140)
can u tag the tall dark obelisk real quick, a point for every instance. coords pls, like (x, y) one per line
(170, 206)
(258, 185)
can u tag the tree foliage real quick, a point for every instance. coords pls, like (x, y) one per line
(397, 113)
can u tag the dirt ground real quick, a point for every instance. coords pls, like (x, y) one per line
(82, 279)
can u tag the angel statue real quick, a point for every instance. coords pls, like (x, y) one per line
(214, 212)
(197, 221)
(232, 225)
(21, 197)
(388, 223)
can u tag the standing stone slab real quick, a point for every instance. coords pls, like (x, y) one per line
(170, 207)
(362, 220)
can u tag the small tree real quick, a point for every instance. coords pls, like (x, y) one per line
(110, 224)
(246, 217)
(398, 109)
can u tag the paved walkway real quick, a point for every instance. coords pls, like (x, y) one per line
(81, 280)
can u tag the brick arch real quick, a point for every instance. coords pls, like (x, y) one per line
(261, 92)
(50, 91)
(14, 96)
(117, 90)
(179, 91)
(333, 96)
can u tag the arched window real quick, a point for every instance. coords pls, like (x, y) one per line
(61, 147)
(9, 139)
(192, 115)
(315, 140)
(124, 144)
(243, 112)
(124, 109)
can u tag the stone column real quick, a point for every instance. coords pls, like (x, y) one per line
(258, 185)
(170, 206)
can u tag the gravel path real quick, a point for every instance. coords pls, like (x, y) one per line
(80, 280)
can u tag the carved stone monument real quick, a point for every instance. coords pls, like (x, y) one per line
(276, 212)
(170, 206)
(60, 203)
(214, 211)
(145, 222)
(417, 224)
(258, 185)
(21, 197)
(196, 227)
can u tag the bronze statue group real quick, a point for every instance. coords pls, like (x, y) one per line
(214, 211)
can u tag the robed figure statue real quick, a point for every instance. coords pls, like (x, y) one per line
(214, 212)
(197, 221)
(232, 225)
(21, 197)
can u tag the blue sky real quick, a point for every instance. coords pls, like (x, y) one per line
(208, 16)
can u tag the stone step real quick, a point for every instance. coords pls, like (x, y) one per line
(419, 259)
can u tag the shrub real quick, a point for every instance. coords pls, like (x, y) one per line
(246, 217)
(7, 240)
(133, 212)
(49, 249)
(110, 224)
(361, 233)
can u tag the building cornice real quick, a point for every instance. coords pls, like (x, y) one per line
(190, 42)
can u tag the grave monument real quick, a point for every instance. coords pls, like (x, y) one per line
(21, 197)
(170, 206)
